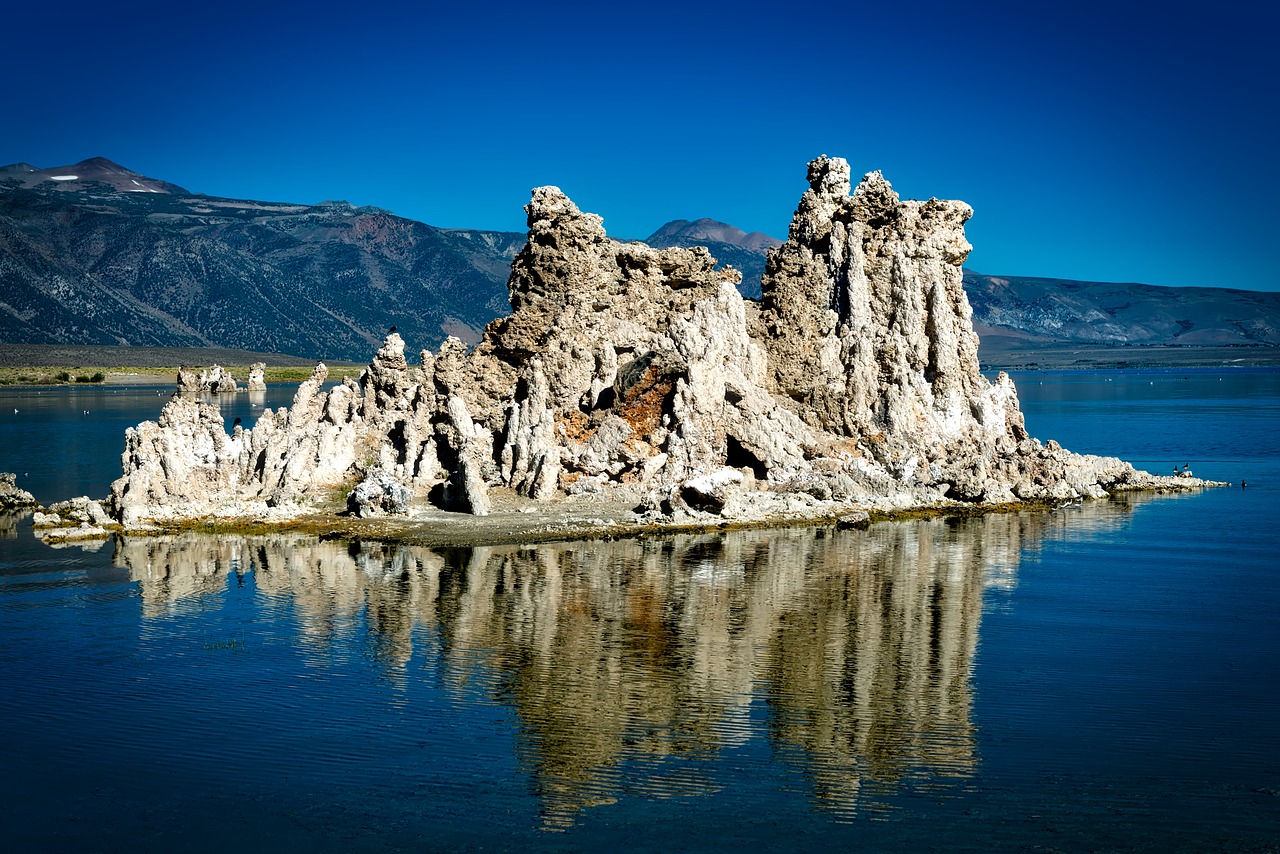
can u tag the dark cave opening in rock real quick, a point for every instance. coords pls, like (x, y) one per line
(739, 457)
(398, 441)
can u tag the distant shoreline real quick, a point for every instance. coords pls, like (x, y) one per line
(1060, 357)
(41, 364)
(107, 356)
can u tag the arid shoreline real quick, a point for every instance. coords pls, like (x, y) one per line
(1097, 357)
(40, 364)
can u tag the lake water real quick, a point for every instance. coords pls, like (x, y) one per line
(1105, 677)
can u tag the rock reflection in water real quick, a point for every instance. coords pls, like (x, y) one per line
(9, 523)
(633, 664)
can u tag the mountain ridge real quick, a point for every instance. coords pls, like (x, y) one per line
(96, 264)
(714, 230)
(1053, 310)
(95, 253)
(93, 170)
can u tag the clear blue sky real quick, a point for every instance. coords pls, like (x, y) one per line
(1104, 141)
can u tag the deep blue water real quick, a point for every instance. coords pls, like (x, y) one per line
(1105, 677)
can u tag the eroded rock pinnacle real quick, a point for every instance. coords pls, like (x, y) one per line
(632, 374)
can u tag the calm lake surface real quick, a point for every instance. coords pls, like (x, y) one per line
(1104, 677)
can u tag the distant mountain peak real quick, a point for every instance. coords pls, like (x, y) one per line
(103, 163)
(89, 173)
(685, 232)
(729, 244)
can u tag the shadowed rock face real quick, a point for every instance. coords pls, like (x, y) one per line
(641, 375)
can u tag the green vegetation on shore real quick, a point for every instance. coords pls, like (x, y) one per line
(51, 376)
(60, 364)
(150, 375)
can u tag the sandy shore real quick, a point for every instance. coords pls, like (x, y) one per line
(164, 378)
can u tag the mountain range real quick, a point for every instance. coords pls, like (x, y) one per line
(94, 253)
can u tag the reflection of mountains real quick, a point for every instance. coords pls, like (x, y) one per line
(630, 663)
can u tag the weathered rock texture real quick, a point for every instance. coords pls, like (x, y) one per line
(635, 374)
(257, 377)
(188, 380)
(215, 379)
(379, 494)
(73, 520)
(12, 496)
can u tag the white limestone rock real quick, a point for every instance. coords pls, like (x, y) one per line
(213, 380)
(73, 533)
(12, 496)
(257, 377)
(74, 520)
(217, 380)
(711, 492)
(78, 511)
(467, 489)
(379, 494)
(189, 381)
(638, 374)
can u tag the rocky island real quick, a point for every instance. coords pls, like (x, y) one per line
(633, 387)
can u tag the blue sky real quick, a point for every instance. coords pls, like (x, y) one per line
(1102, 141)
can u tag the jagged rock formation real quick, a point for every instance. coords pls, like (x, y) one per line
(188, 380)
(214, 380)
(257, 377)
(638, 375)
(12, 496)
(75, 519)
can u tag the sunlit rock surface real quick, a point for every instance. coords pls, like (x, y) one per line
(257, 377)
(640, 376)
(214, 379)
(74, 520)
(12, 496)
(378, 494)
